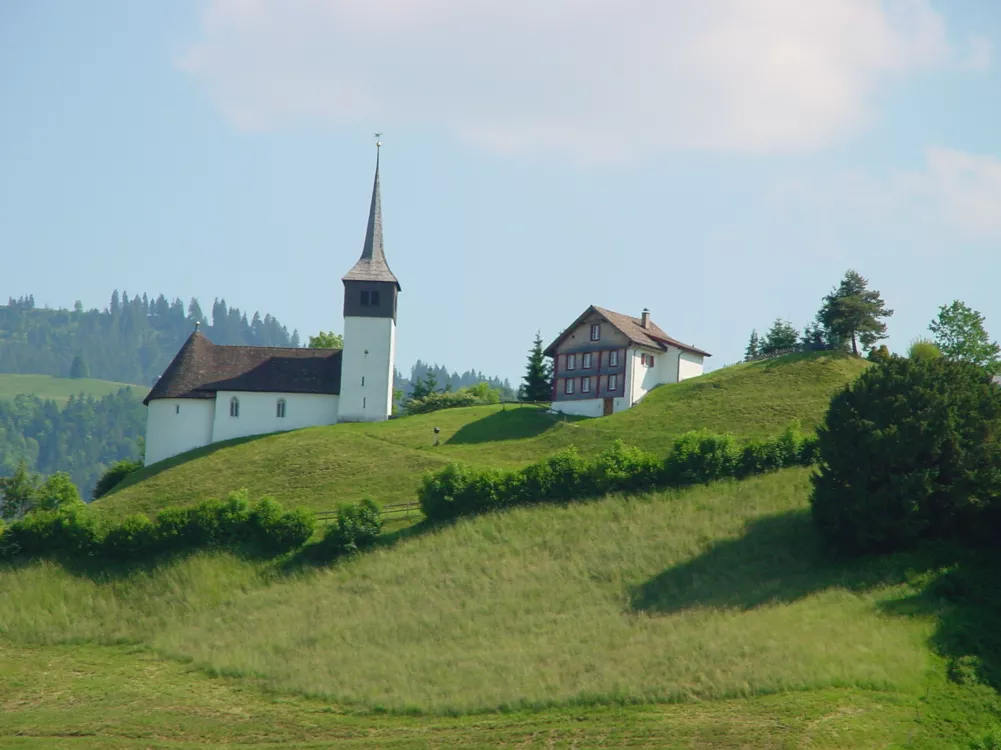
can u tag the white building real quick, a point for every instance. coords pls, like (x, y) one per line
(605, 362)
(210, 393)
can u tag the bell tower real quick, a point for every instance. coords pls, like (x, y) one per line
(369, 356)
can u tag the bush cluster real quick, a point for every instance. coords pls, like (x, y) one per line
(696, 457)
(355, 528)
(909, 451)
(76, 530)
(113, 476)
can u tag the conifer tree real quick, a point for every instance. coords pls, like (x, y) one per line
(538, 381)
(753, 347)
(79, 368)
(18, 492)
(853, 312)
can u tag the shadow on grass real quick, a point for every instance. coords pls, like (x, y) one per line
(780, 559)
(516, 423)
(147, 472)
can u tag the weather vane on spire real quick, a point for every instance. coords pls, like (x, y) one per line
(378, 143)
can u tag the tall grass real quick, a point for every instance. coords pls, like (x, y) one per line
(707, 593)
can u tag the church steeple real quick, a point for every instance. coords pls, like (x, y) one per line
(372, 265)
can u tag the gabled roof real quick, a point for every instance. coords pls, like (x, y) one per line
(201, 368)
(372, 265)
(632, 328)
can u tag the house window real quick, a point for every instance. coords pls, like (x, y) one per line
(375, 298)
(363, 380)
(613, 382)
(613, 359)
(587, 360)
(595, 332)
(649, 360)
(234, 407)
(280, 411)
(585, 385)
(568, 386)
(365, 298)
(177, 409)
(571, 361)
(364, 403)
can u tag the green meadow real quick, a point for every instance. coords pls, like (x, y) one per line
(47, 387)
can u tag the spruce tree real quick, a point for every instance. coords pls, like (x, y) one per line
(79, 368)
(853, 312)
(753, 347)
(538, 381)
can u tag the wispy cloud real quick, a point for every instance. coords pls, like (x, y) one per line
(594, 79)
(956, 192)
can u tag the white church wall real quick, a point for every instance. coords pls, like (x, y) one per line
(367, 364)
(176, 425)
(259, 413)
(690, 366)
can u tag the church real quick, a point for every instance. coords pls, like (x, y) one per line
(211, 393)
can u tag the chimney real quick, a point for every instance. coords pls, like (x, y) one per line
(646, 318)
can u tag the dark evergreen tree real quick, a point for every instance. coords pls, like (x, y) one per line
(79, 368)
(537, 384)
(853, 312)
(753, 347)
(910, 450)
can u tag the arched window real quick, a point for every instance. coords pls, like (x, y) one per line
(280, 411)
(234, 407)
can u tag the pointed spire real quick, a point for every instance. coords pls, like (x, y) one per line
(372, 265)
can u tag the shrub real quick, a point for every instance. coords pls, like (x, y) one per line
(282, 532)
(356, 527)
(623, 468)
(114, 475)
(440, 494)
(438, 401)
(910, 450)
(66, 531)
(701, 457)
(134, 537)
(923, 350)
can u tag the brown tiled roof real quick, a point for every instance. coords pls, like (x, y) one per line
(201, 368)
(372, 265)
(632, 328)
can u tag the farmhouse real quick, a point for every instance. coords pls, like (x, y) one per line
(605, 362)
(210, 393)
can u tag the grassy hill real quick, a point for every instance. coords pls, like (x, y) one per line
(60, 389)
(700, 618)
(321, 466)
(706, 617)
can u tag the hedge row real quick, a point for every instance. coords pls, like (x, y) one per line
(695, 457)
(76, 530)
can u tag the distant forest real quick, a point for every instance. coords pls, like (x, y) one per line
(130, 341)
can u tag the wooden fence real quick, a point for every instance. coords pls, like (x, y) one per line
(403, 509)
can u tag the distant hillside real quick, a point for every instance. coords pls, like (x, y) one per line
(60, 389)
(130, 341)
(318, 467)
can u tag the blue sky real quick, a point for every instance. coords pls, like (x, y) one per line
(721, 163)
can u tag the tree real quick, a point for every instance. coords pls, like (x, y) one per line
(18, 492)
(326, 340)
(960, 334)
(780, 336)
(910, 450)
(79, 368)
(424, 388)
(537, 384)
(58, 491)
(813, 335)
(753, 347)
(853, 312)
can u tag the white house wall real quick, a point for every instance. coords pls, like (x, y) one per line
(690, 366)
(369, 353)
(591, 407)
(176, 425)
(259, 413)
